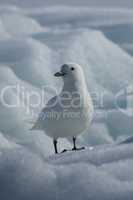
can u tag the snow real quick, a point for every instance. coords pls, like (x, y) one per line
(34, 42)
(101, 173)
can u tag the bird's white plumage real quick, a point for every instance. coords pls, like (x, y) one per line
(71, 112)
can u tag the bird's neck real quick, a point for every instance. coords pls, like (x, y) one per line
(75, 85)
(76, 90)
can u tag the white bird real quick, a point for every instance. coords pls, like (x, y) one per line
(69, 113)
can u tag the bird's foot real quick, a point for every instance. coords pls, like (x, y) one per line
(73, 149)
(65, 150)
(78, 149)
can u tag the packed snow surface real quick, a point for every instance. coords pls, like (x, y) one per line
(34, 43)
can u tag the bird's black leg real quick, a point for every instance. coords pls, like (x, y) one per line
(55, 146)
(74, 145)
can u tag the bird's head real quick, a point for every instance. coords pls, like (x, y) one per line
(70, 72)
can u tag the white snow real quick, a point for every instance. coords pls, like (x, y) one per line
(33, 45)
(101, 173)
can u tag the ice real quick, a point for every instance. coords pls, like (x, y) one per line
(115, 22)
(34, 43)
(27, 52)
(98, 134)
(16, 23)
(57, 15)
(108, 55)
(7, 144)
(31, 60)
(28, 58)
(102, 173)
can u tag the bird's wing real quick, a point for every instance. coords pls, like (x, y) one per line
(49, 106)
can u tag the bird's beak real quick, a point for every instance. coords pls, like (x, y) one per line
(58, 74)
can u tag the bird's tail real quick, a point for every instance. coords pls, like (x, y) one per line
(33, 128)
(33, 123)
(30, 121)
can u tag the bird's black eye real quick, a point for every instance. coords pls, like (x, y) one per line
(72, 68)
